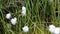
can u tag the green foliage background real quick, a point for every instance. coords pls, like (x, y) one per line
(39, 14)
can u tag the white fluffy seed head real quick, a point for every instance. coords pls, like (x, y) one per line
(23, 10)
(51, 28)
(57, 30)
(8, 16)
(25, 29)
(14, 20)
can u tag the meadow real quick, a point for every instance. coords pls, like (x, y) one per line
(39, 15)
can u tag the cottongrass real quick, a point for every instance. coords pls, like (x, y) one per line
(32, 10)
(23, 11)
(53, 29)
(57, 30)
(14, 21)
(8, 16)
(25, 29)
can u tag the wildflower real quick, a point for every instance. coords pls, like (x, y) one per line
(14, 20)
(51, 28)
(23, 10)
(8, 16)
(25, 29)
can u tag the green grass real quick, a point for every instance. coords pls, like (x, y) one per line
(36, 13)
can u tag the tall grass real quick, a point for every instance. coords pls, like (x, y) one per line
(39, 14)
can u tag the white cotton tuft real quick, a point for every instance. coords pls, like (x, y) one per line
(25, 29)
(23, 10)
(14, 20)
(57, 30)
(51, 28)
(8, 16)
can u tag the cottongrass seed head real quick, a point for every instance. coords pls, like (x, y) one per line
(57, 30)
(14, 20)
(8, 16)
(51, 28)
(23, 10)
(25, 29)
